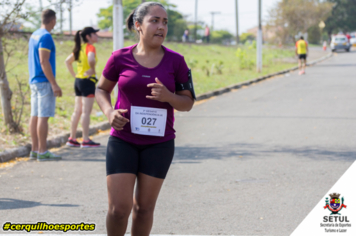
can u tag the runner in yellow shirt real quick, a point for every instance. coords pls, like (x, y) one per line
(85, 79)
(301, 50)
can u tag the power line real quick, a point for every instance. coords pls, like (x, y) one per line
(70, 17)
(237, 22)
(212, 18)
(259, 39)
(196, 20)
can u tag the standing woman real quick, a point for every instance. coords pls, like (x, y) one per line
(141, 145)
(84, 86)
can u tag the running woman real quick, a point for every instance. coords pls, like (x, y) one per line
(85, 79)
(141, 145)
(301, 50)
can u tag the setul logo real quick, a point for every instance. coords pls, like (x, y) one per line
(335, 206)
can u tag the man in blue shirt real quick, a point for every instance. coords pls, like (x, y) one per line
(44, 88)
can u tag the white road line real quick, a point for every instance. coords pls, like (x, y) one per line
(79, 234)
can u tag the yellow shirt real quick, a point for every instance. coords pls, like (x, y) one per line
(301, 46)
(82, 62)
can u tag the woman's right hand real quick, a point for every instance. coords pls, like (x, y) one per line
(116, 120)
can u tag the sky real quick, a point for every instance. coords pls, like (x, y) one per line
(85, 14)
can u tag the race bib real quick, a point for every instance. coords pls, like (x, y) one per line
(148, 121)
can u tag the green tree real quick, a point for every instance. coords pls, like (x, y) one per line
(289, 17)
(33, 17)
(105, 14)
(10, 12)
(176, 22)
(246, 37)
(105, 18)
(218, 36)
(314, 34)
(342, 16)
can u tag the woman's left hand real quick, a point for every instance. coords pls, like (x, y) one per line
(159, 92)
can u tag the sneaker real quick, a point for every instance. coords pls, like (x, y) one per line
(300, 72)
(48, 156)
(72, 143)
(33, 155)
(89, 143)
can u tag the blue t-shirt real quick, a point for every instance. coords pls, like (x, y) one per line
(41, 39)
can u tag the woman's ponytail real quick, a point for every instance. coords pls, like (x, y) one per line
(130, 24)
(77, 46)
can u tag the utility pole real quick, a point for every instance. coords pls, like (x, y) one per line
(41, 6)
(196, 20)
(259, 39)
(70, 16)
(118, 32)
(237, 22)
(212, 19)
(61, 16)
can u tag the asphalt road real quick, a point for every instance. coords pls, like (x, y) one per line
(251, 162)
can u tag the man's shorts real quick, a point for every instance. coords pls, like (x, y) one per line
(302, 56)
(43, 101)
(85, 87)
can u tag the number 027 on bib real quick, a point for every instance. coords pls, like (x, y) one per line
(148, 121)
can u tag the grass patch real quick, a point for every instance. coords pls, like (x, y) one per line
(213, 67)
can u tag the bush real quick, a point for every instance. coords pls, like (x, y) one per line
(244, 37)
(218, 36)
(314, 35)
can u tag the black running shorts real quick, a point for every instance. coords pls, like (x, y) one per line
(302, 56)
(85, 87)
(153, 160)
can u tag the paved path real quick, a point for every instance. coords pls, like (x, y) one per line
(251, 162)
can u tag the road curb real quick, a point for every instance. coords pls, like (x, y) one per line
(249, 82)
(57, 141)
(61, 139)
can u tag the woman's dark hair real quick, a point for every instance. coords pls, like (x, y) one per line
(78, 44)
(139, 13)
(86, 31)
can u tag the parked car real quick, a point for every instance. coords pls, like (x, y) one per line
(353, 41)
(340, 42)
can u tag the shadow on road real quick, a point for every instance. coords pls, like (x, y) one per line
(198, 154)
(343, 51)
(10, 203)
(87, 155)
(336, 65)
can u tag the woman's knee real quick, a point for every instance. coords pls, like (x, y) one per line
(77, 112)
(144, 210)
(119, 212)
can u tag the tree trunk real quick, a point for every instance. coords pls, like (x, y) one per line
(5, 93)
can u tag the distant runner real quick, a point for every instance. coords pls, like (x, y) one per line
(301, 50)
(153, 81)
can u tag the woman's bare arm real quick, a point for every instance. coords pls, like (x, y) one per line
(102, 95)
(69, 63)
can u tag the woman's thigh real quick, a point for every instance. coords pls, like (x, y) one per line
(120, 193)
(121, 169)
(121, 157)
(78, 104)
(87, 104)
(156, 159)
(147, 191)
